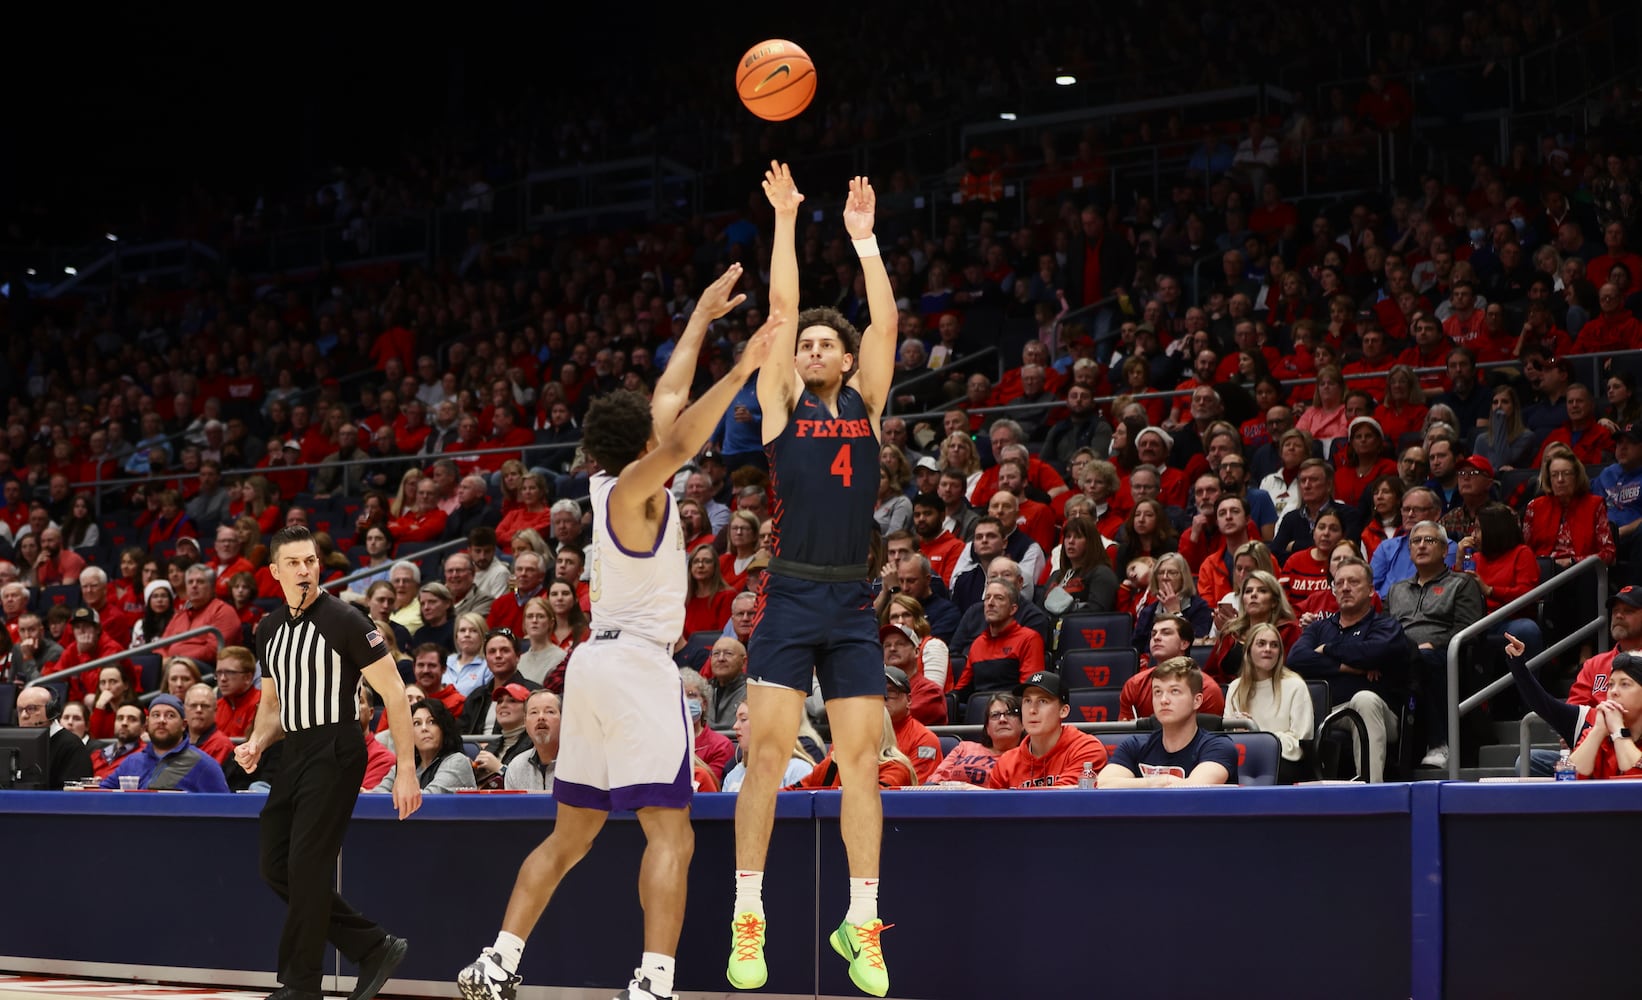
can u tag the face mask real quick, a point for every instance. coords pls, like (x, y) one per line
(1477, 235)
(1519, 224)
(695, 710)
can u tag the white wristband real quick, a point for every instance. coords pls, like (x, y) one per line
(867, 247)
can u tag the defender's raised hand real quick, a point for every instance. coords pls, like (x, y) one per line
(716, 300)
(780, 189)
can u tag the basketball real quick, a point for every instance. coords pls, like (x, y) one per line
(775, 79)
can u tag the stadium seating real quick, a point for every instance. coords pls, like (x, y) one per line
(1093, 705)
(1098, 668)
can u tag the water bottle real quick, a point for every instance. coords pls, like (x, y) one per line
(1088, 778)
(1565, 770)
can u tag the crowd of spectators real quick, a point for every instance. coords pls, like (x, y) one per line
(1302, 447)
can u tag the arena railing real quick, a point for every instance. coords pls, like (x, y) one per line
(102, 661)
(419, 460)
(1525, 740)
(415, 557)
(1579, 360)
(1458, 707)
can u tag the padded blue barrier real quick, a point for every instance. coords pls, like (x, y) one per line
(1242, 858)
(1524, 863)
(1458, 876)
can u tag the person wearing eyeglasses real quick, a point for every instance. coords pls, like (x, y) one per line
(1432, 607)
(1392, 559)
(237, 699)
(971, 761)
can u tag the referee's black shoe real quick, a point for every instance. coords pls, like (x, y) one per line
(377, 968)
(287, 993)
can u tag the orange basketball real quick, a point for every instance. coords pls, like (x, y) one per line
(775, 79)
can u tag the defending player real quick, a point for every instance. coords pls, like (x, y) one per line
(815, 614)
(625, 736)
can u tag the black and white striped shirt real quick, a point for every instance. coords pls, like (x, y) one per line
(316, 660)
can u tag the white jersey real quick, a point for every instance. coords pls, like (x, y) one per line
(640, 593)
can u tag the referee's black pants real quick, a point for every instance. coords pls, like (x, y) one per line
(303, 824)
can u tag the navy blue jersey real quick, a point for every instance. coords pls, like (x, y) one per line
(824, 483)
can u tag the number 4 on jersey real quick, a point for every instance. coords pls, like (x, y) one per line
(841, 464)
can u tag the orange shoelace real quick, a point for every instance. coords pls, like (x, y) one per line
(749, 935)
(871, 947)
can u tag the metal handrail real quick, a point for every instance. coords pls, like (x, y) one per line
(946, 369)
(1458, 707)
(363, 572)
(103, 661)
(147, 697)
(419, 459)
(1525, 742)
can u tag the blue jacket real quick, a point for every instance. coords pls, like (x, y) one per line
(1375, 643)
(180, 769)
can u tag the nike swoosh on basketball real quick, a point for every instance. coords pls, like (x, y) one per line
(781, 70)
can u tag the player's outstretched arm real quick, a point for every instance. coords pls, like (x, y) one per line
(875, 367)
(640, 480)
(672, 391)
(778, 385)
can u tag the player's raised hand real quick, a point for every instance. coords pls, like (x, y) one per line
(716, 300)
(780, 189)
(860, 208)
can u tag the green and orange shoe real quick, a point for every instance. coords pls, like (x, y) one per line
(859, 945)
(747, 970)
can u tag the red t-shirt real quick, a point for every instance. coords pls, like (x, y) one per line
(1303, 575)
(1135, 700)
(1607, 761)
(708, 614)
(921, 746)
(943, 553)
(1061, 767)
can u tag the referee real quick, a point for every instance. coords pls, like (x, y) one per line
(312, 652)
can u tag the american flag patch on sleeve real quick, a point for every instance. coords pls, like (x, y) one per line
(374, 637)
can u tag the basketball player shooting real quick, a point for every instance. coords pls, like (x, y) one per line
(626, 737)
(815, 616)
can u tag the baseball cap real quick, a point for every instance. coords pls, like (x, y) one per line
(516, 691)
(1631, 432)
(293, 443)
(437, 589)
(1629, 596)
(898, 677)
(1479, 463)
(86, 616)
(1047, 680)
(758, 561)
(711, 455)
(891, 629)
(928, 463)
